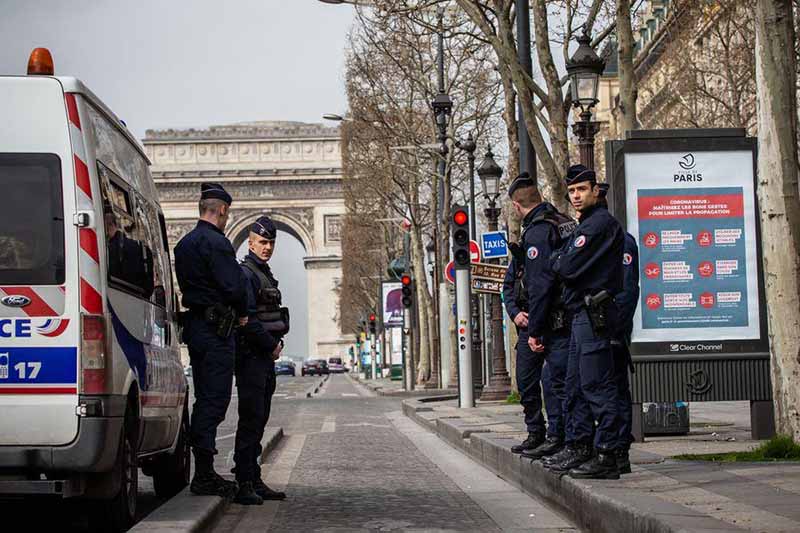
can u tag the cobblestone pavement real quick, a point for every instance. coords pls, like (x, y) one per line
(346, 467)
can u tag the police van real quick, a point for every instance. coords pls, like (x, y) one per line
(91, 382)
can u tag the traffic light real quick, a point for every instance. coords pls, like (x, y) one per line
(461, 252)
(372, 323)
(408, 292)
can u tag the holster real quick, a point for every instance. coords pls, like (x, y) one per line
(222, 317)
(558, 319)
(597, 309)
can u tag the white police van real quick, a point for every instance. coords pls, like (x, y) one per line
(91, 383)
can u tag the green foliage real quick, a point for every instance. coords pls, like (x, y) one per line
(513, 398)
(778, 448)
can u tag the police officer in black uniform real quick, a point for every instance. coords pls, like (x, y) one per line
(212, 285)
(589, 265)
(627, 300)
(532, 297)
(259, 344)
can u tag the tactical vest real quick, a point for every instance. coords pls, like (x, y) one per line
(269, 312)
(565, 226)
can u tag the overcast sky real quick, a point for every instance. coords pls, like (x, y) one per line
(183, 63)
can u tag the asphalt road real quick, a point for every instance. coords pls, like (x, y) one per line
(40, 514)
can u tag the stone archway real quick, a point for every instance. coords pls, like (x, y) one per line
(289, 170)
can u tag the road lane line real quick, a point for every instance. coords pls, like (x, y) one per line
(329, 425)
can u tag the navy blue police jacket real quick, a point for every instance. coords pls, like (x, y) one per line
(539, 240)
(628, 299)
(508, 290)
(207, 271)
(589, 262)
(258, 339)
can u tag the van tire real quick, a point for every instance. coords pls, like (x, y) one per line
(119, 513)
(171, 472)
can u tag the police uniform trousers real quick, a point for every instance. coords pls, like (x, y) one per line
(624, 410)
(213, 360)
(554, 375)
(529, 376)
(255, 384)
(591, 387)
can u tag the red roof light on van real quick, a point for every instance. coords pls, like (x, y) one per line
(41, 63)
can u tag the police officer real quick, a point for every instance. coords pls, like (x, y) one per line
(589, 266)
(212, 285)
(258, 346)
(532, 296)
(626, 301)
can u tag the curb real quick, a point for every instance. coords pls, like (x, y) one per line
(379, 390)
(187, 513)
(593, 505)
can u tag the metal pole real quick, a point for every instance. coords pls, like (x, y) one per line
(464, 334)
(527, 155)
(585, 129)
(408, 359)
(373, 355)
(499, 383)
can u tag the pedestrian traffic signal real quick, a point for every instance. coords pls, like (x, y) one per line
(372, 323)
(461, 251)
(408, 300)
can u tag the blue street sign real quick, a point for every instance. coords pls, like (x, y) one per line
(494, 244)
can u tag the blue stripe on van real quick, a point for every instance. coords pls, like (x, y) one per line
(132, 347)
(38, 366)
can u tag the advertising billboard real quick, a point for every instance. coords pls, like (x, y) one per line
(392, 304)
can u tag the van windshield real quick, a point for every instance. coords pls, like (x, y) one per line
(31, 220)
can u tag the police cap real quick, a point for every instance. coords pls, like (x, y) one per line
(579, 173)
(264, 227)
(603, 189)
(214, 191)
(523, 180)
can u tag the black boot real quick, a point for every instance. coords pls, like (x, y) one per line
(267, 493)
(581, 453)
(602, 466)
(550, 460)
(533, 440)
(623, 461)
(206, 482)
(246, 495)
(550, 446)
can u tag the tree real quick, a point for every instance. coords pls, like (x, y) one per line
(776, 82)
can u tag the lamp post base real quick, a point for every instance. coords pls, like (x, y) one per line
(498, 389)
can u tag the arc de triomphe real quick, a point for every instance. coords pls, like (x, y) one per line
(289, 170)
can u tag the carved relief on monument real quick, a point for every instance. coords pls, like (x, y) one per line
(248, 189)
(333, 229)
(177, 228)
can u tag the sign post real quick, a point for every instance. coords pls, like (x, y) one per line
(700, 331)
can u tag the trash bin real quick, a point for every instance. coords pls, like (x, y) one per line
(665, 418)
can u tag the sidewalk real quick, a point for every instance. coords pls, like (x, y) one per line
(661, 495)
(387, 387)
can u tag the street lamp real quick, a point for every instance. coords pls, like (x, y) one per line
(499, 386)
(584, 69)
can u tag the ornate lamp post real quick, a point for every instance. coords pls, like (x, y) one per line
(499, 386)
(584, 69)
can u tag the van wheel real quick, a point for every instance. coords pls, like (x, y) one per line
(119, 513)
(171, 472)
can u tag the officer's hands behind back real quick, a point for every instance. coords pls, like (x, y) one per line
(521, 319)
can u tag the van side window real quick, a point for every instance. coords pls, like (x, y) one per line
(130, 259)
(147, 216)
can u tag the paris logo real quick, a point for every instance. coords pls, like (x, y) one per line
(705, 269)
(651, 240)
(580, 241)
(704, 238)
(707, 300)
(652, 270)
(653, 301)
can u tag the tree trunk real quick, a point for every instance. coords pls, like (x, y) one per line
(779, 202)
(627, 76)
(417, 254)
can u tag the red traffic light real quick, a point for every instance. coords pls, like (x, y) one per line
(372, 317)
(460, 217)
(406, 279)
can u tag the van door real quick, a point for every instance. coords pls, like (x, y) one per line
(39, 324)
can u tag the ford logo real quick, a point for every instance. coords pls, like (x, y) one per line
(16, 300)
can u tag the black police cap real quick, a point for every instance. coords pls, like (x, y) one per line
(214, 191)
(579, 173)
(603, 189)
(264, 227)
(523, 180)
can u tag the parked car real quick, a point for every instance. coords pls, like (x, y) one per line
(323, 366)
(91, 268)
(285, 368)
(336, 365)
(310, 368)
